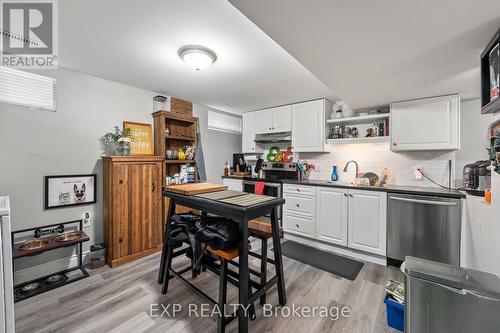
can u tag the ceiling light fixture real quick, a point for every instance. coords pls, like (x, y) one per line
(197, 57)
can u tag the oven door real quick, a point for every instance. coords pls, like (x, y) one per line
(270, 189)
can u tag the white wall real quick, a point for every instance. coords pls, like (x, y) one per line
(473, 132)
(374, 157)
(218, 147)
(38, 143)
(377, 156)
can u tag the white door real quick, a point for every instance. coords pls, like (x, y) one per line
(233, 184)
(282, 118)
(308, 126)
(426, 124)
(367, 221)
(264, 121)
(248, 135)
(332, 215)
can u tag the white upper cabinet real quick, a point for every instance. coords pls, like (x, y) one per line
(264, 121)
(278, 119)
(367, 221)
(248, 133)
(332, 215)
(282, 118)
(308, 126)
(426, 124)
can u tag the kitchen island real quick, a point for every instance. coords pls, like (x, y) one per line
(240, 207)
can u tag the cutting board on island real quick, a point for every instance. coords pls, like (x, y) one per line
(188, 189)
(195, 188)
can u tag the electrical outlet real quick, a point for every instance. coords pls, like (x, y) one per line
(418, 174)
(86, 219)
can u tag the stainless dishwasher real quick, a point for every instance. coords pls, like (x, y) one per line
(423, 226)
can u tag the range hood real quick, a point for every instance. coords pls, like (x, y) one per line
(273, 137)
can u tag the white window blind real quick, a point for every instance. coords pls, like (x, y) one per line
(224, 122)
(27, 89)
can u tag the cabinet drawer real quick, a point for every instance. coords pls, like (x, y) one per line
(299, 225)
(299, 189)
(298, 204)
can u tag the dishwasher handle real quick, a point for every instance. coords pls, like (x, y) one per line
(425, 202)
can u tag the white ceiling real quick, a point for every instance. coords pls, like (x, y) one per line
(136, 42)
(373, 52)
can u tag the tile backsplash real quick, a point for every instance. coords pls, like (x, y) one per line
(374, 157)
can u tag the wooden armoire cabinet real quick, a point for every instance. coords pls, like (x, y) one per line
(132, 207)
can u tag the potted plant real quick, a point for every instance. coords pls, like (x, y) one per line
(120, 140)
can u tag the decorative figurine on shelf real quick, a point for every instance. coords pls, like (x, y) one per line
(181, 155)
(189, 152)
(369, 132)
(354, 132)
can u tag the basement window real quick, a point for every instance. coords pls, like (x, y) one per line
(27, 89)
(224, 122)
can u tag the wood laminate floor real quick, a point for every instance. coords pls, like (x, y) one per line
(119, 300)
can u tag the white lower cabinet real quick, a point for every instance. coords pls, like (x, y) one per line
(332, 213)
(345, 217)
(367, 221)
(299, 210)
(233, 184)
(300, 225)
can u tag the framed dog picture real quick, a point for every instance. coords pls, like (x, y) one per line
(71, 190)
(142, 138)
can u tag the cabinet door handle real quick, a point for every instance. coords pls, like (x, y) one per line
(153, 187)
(297, 205)
(120, 181)
(346, 195)
(120, 240)
(394, 144)
(351, 195)
(298, 190)
(297, 226)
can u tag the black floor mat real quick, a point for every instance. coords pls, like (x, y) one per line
(326, 261)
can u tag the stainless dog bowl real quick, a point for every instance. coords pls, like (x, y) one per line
(33, 244)
(30, 287)
(70, 236)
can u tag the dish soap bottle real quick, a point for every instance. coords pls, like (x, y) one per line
(335, 176)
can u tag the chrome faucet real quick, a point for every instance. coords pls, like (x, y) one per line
(357, 167)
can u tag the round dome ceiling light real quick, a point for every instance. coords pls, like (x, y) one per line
(197, 57)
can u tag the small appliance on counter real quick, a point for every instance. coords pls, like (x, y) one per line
(477, 177)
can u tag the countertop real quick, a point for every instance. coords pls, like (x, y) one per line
(234, 177)
(419, 190)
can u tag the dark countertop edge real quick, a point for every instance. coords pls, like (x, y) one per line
(233, 177)
(391, 189)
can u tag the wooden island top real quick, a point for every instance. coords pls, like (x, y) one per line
(194, 188)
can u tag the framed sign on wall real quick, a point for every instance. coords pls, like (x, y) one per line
(142, 138)
(70, 190)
